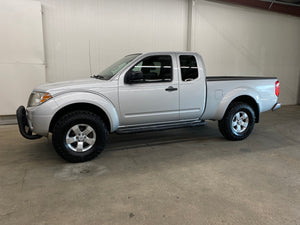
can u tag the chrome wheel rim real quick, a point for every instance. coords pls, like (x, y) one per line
(240, 122)
(80, 138)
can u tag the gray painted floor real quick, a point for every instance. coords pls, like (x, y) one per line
(185, 176)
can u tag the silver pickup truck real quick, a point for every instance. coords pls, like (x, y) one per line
(144, 92)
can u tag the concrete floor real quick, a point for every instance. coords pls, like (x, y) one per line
(184, 176)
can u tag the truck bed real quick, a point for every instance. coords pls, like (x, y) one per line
(220, 88)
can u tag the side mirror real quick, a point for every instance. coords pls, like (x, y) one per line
(133, 77)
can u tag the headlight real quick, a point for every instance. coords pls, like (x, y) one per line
(37, 98)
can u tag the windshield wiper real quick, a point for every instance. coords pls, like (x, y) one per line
(98, 77)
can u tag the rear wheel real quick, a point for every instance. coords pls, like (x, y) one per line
(79, 136)
(238, 122)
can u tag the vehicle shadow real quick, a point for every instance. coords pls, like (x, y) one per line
(129, 141)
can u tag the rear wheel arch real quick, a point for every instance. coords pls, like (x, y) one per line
(247, 100)
(80, 106)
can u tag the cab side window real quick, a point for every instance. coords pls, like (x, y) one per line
(152, 69)
(188, 67)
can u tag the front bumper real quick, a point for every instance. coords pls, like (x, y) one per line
(276, 106)
(23, 124)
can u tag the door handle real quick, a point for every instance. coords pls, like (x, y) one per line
(170, 88)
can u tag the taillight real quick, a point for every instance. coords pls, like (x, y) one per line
(277, 86)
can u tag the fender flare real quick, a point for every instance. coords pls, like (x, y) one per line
(81, 97)
(238, 92)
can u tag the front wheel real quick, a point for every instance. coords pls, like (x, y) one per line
(238, 122)
(79, 136)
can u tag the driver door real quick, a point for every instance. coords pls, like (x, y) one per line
(153, 97)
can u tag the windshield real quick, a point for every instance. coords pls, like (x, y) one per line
(112, 70)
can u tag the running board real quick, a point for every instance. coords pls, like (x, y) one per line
(128, 130)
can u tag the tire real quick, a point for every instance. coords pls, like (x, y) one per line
(238, 121)
(79, 136)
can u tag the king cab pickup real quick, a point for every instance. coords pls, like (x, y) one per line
(144, 92)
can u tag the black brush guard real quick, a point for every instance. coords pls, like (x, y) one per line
(24, 126)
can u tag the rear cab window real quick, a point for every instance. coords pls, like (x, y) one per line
(188, 68)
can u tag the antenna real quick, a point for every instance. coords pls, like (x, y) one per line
(90, 58)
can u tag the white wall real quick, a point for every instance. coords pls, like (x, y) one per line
(233, 40)
(245, 41)
(21, 52)
(113, 28)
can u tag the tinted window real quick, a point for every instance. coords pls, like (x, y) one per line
(154, 69)
(188, 67)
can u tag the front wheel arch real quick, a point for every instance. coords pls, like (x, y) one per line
(80, 106)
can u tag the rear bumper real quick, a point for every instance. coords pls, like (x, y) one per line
(276, 106)
(24, 126)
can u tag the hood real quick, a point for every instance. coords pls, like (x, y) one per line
(86, 84)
